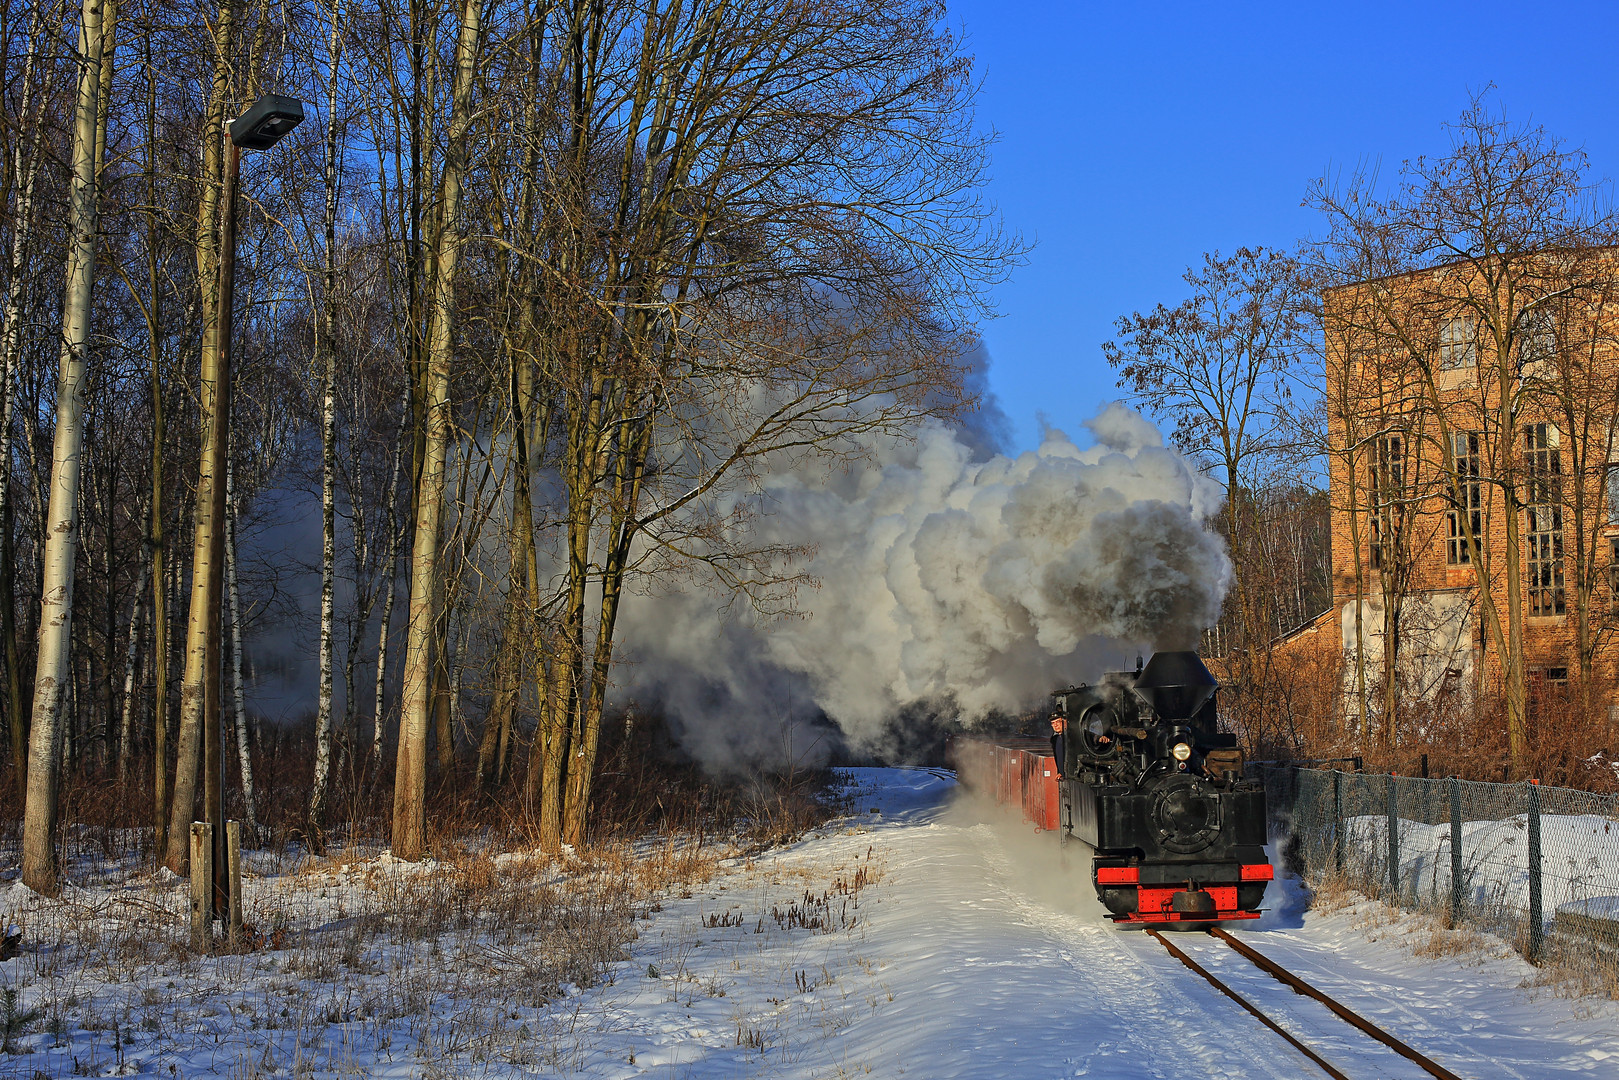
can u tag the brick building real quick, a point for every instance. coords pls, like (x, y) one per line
(1474, 502)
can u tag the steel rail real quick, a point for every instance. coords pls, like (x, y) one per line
(1354, 1019)
(1326, 1065)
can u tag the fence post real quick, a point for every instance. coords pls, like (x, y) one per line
(233, 869)
(1455, 851)
(202, 885)
(1394, 840)
(1338, 822)
(1537, 929)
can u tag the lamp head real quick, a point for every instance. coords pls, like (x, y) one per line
(269, 118)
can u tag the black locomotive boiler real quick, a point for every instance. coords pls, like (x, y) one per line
(1157, 792)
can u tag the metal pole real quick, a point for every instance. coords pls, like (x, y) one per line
(1338, 821)
(218, 446)
(1537, 928)
(1455, 851)
(1394, 841)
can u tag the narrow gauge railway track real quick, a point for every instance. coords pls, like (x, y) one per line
(1299, 986)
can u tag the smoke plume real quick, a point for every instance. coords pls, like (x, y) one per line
(943, 577)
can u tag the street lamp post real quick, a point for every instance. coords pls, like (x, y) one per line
(259, 128)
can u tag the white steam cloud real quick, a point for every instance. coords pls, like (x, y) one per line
(981, 584)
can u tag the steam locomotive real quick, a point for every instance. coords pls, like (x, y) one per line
(1150, 784)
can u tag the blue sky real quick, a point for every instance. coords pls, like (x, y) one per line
(1134, 137)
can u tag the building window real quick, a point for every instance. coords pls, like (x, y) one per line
(1551, 680)
(1467, 512)
(1613, 570)
(1458, 347)
(1537, 337)
(1387, 485)
(1612, 478)
(1548, 689)
(1544, 525)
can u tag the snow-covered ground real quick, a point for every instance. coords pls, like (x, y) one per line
(927, 937)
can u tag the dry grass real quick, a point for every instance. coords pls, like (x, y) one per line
(473, 955)
(1289, 703)
(470, 955)
(371, 949)
(1433, 939)
(1334, 892)
(1574, 967)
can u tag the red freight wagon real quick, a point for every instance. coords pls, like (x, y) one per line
(1019, 770)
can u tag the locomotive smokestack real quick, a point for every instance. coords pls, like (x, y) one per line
(1175, 684)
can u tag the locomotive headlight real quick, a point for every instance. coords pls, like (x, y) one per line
(1181, 750)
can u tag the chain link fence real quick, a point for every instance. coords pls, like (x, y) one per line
(1521, 859)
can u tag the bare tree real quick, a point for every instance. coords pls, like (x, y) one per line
(1564, 360)
(1217, 366)
(767, 240)
(51, 672)
(410, 777)
(244, 755)
(202, 621)
(22, 172)
(326, 356)
(1447, 275)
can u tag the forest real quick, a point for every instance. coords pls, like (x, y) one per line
(527, 301)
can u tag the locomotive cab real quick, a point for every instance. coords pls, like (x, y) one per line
(1157, 792)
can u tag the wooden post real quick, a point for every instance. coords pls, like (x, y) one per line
(233, 855)
(202, 885)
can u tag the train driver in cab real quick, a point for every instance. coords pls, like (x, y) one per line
(1059, 726)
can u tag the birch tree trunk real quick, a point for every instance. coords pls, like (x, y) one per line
(156, 541)
(325, 349)
(410, 779)
(202, 619)
(395, 535)
(137, 611)
(39, 870)
(24, 168)
(244, 752)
